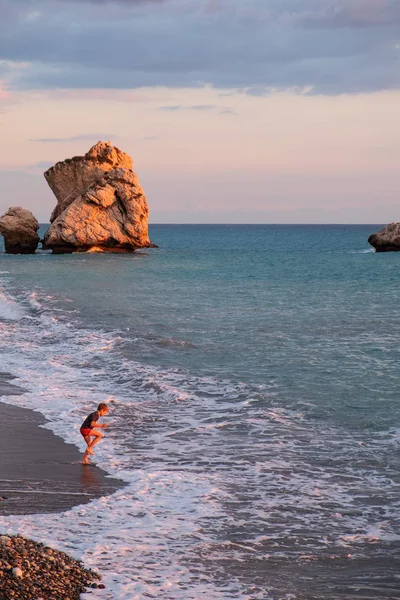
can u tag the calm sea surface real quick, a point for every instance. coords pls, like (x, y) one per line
(253, 377)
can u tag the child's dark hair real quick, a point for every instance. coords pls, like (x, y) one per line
(102, 406)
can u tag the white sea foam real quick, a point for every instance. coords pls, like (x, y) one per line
(9, 309)
(202, 458)
(365, 251)
(64, 388)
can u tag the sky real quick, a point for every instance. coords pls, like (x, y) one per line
(234, 111)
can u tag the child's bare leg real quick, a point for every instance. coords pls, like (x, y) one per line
(97, 437)
(85, 460)
(88, 440)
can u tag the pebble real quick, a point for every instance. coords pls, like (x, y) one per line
(31, 571)
(4, 540)
(17, 573)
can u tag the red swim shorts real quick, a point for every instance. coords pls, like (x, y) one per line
(85, 431)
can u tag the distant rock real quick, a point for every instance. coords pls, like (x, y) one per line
(69, 178)
(387, 239)
(19, 229)
(101, 205)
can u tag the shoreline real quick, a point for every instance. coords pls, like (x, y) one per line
(40, 473)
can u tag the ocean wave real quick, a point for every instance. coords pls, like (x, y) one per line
(10, 310)
(179, 344)
(365, 251)
(215, 469)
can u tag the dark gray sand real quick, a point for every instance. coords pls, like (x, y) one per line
(39, 472)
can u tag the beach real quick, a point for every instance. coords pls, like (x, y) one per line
(199, 244)
(40, 473)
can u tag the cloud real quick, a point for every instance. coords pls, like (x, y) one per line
(76, 138)
(123, 2)
(175, 108)
(324, 46)
(357, 13)
(170, 108)
(197, 107)
(4, 95)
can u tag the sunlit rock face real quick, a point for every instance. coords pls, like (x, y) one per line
(387, 239)
(19, 228)
(101, 204)
(70, 178)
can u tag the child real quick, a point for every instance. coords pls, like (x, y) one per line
(88, 430)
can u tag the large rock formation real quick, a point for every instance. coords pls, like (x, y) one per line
(387, 239)
(19, 228)
(69, 178)
(101, 205)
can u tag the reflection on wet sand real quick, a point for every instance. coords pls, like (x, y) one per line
(91, 478)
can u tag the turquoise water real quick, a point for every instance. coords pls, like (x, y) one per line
(259, 361)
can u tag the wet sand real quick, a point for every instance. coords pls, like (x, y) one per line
(39, 472)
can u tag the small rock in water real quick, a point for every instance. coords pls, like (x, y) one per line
(19, 228)
(387, 239)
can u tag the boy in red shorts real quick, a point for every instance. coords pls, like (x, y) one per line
(88, 430)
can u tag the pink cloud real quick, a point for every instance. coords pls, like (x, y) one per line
(4, 94)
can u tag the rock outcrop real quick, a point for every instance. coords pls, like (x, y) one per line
(19, 228)
(101, 205)
(69, 178)
(386, 240)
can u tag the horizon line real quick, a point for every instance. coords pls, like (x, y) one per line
(258, 224)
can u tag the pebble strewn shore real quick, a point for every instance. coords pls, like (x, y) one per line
(31, 571)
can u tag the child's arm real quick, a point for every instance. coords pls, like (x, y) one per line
(94, 424)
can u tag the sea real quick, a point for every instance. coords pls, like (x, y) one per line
(252, 374)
